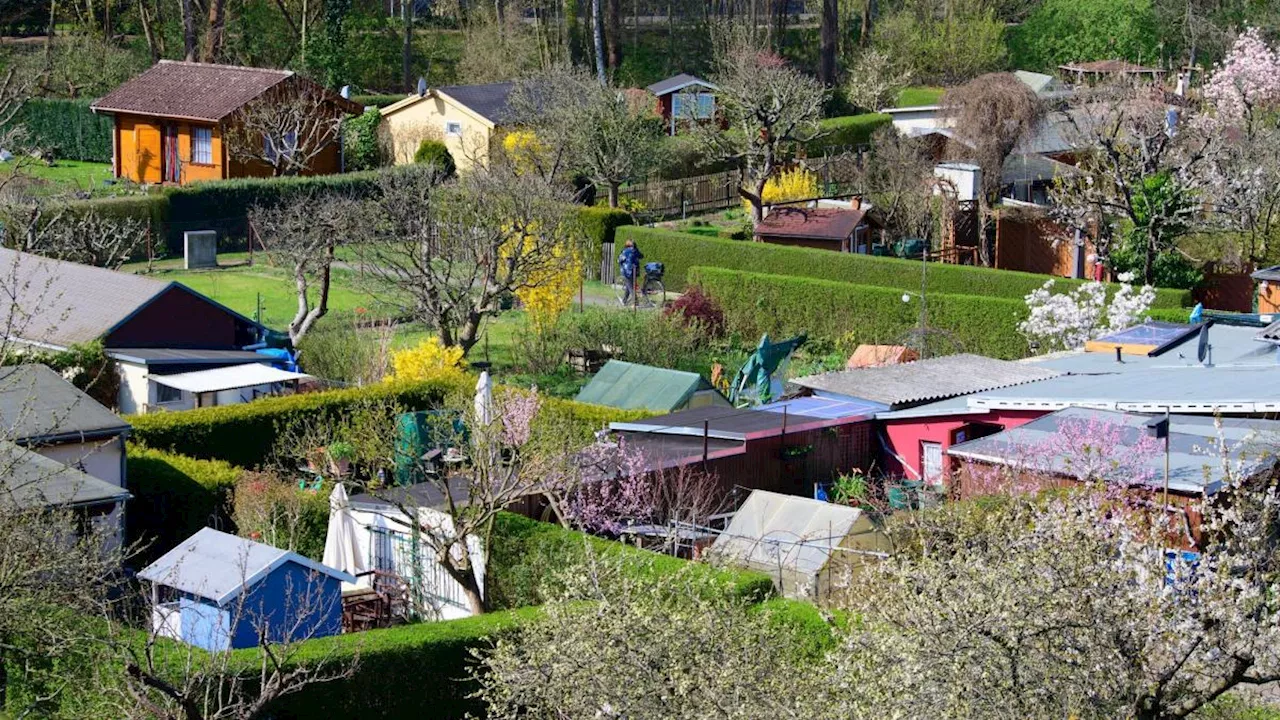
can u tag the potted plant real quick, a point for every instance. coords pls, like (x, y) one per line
(341, 454)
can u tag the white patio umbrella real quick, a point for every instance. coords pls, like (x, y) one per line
(341, 549)
(484, 399)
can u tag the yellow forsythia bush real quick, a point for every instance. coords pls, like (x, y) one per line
(524, 149)
(428, 360)
(549, 290)
(796, 184)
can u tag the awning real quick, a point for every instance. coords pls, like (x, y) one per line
(227, 378)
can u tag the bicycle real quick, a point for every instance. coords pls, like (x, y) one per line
(651, 293)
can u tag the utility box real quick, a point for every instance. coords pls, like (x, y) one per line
(962, 180)
(200, 249)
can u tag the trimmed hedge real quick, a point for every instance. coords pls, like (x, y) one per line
(378, 101)
(782, 305)
(599, 224)
(526, 554)
(68, 128)
(847, 131)
(173, 497)
(244, 434)
(681, 251)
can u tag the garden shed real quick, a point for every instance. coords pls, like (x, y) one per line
(809, 546)
(632, 386)
(221, 592)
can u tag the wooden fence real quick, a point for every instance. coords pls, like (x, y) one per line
(665, 199)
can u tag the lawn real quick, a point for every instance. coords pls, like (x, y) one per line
(920, 95)
(65, 176)
(242, 287)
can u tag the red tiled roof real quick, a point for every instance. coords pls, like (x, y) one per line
(813, 223)
(195, 91)
(1109, 67)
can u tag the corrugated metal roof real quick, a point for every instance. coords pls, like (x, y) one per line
(31, 480)
(1232, 346)
(37, 405)
(789, 221)
(898, 386)
(1193, 389)
(218, 567)
(632, 386)
(53, 302)
(723, 423)
(1194, 463)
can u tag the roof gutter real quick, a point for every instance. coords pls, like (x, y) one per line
(82, 436)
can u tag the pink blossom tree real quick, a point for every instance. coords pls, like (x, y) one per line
(1247, 81)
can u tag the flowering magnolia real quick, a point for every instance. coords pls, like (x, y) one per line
(1065, 321)
(1247, 79)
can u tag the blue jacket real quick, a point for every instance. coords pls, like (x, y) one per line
(629, 261)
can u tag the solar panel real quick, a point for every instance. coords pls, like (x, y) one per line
(1150, 338)
(825, 408)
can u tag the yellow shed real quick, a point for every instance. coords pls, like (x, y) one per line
(467, 118)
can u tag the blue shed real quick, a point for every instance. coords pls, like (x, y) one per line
(219, 592)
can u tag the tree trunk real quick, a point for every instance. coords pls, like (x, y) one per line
(152, 46)
(406, 52)
(217, 23)
(597, 38)
(613, 194)
(1149, 262)
(830, 31)
(469, 333)
(188, 31)
(307, 316)
(864, 33)
(614, 33)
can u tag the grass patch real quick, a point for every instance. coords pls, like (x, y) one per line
(64, 176)
(919, 95)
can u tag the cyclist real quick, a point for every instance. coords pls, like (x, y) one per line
(629, 265)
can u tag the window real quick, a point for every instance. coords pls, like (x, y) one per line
(696, 106)
(166, 394)
(290, 144)
(706, 106)
(202, 146)
(453, 129)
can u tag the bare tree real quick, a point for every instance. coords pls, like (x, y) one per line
(990, 115)
(874, 81)
(82, 235)
(593, 129)
(452, 252)
(286, 129)
(768, 106)
(302, 234)
(1142, 162)
(898, 179)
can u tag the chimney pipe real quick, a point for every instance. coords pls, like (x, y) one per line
(1118, 358)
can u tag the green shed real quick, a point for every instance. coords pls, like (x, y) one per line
(643, 387)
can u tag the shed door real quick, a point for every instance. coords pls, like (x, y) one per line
(931, 460)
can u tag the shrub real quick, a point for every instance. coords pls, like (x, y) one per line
(278, 512)
(755, 303)
(361, 147)
(430, 361)
(795, 184)
(846, 131)
(694, 307)
(680, 251)
(68, 128)
(434, 152)
(244, 434)
(173, 497)
(527, 555)
(598, 225)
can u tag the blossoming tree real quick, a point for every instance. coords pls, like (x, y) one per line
(1065, 321)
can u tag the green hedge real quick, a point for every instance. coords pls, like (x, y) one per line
(846, 131)
(68, 128)
(527, 554)
(244, 434)
(782, 305)
(599, 224)
(681, 251)
(378, 101)
(173, 497)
